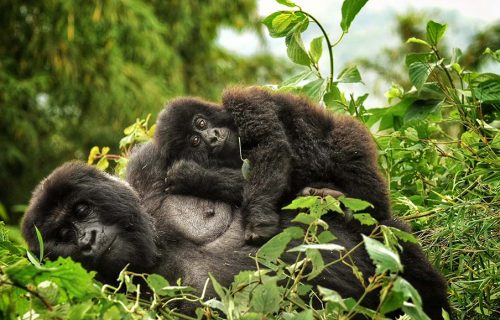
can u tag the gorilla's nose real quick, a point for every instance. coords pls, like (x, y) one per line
(209, 213)
(87, 241)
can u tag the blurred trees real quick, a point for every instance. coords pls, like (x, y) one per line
(73, 74)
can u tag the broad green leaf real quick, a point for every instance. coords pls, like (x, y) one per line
(157, 283)
(419, 41)
(419, 57)
(295, 80)
(79, 311)
(246, 169)
(304, 218)
(419, 72)
(295, 232)
(316, 49)
(383, 257)
(281, 22)
(315, 89)
(273, 249)
(435, 32)
(349, 75)
(302, 203)
(326, 237)
(350, 8)
(365, 219)
(319, 246)
(296, 50)
(266, 298)
(355, 204)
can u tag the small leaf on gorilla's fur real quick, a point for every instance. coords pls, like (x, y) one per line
(246, 169)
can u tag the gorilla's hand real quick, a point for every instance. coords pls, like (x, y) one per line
(261, 224)
(183, 176)
(320, 192)
(187, 177)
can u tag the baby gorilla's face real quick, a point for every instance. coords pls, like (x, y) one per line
(197, 220)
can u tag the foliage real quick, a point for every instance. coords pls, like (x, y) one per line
(73, 74)
(439, 143)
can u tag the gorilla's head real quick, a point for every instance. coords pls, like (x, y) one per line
(92, 217)
(193, 129)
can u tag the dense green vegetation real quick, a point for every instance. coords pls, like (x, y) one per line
(439, 145)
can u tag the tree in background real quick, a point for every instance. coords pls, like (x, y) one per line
(73, 74)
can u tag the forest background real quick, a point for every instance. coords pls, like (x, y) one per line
(74, 74)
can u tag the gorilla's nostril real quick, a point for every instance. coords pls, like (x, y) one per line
(209, 213)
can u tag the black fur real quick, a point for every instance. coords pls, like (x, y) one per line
(188, 237)
(290, 143)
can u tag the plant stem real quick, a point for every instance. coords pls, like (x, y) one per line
(329, 45)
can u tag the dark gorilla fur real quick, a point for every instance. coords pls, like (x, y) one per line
(174, 242)
(290, 142)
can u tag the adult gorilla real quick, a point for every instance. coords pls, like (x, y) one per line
(98, 220)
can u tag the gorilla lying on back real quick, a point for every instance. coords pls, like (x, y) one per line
(291, 144)
(98, 220)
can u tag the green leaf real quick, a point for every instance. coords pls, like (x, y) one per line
(217, 287)
(40, 244)
(316, 49)
(296, 50)
(333, 296)
(419, 72)
(355, 204)
(318, 265)
(293, 81)
(295, 232)
(266, 298)
(435, 32)
(349, 75)
(92, 154)
(402, 235)
(157, 283)
(350, 8)
(273, 249)
(365, 219)
(49, 290)
(304, 218)
(315, 89)
(326, 237)
(419, 41)
(383, 257)
(411, 134)
(304, 315)
(318, 246)
(281, 22)
(102, 164)
(287, 3)
(302, 203)
(487, 88)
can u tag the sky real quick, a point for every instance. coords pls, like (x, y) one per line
(374, 27)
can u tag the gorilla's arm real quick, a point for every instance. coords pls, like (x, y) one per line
(218, 183)
(269, 153)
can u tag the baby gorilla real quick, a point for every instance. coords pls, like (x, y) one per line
(291, 144)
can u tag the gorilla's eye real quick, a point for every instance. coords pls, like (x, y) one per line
(66, 235)
(195, 140)
(81, 210)
(200, 123)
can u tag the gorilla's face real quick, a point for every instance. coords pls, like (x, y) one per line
(91, 217)
(192, 129)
